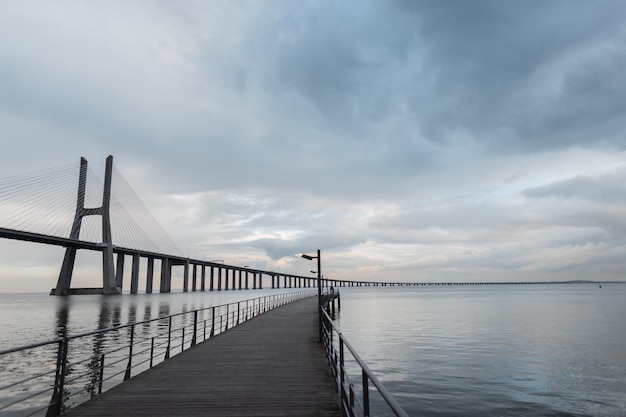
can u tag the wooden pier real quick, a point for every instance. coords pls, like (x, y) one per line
(272, 365)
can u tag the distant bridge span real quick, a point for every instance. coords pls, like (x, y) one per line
(198, 275)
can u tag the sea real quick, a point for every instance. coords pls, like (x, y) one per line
(493, 350)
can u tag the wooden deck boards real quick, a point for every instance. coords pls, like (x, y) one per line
(272, 365)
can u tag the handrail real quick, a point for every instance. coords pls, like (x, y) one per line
(347, 397)
(77, 376)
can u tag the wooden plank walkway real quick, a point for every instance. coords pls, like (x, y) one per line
(272, 365)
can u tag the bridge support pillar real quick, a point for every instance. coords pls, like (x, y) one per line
(194, 278)
(166, 276)
(186, 276)
(203, 278)
(150, 275)
(134, 276)
(119, 270)
(109, 282)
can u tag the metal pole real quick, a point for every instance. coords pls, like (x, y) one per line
(130, 353)
(319, 294)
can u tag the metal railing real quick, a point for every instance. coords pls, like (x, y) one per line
(50, 377)
(354, 398)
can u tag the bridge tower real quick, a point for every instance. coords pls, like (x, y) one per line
(108, 274)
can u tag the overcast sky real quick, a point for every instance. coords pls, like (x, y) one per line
(408, 140)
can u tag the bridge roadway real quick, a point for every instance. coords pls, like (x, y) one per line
(272, 365)
(220, 276)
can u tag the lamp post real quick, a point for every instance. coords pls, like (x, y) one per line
(319, 290)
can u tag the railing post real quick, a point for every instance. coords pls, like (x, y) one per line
(366, 395)
(151, 351)
(351, 400)
(212, 322)
(56, 403)
(227, 306)
(169, 339)
(238, 310)
(195, 327)
(341, 360)
(130, 353)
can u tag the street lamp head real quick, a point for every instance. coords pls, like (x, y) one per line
(310, 258)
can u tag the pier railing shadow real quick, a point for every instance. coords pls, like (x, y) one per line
(346, 364)
(50, 377)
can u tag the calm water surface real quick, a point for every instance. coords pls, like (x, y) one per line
(532, 350)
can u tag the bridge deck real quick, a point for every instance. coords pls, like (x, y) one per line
(271, 365)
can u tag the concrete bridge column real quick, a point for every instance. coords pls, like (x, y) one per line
(134, 276)
(239, 277)
(186, 276)
(211, 278)
(119, 270)
(247, 287)
(219, 278)
(194, 278)
(254, 280)
(150, 275)
(166, 275)
(203, 278)
(261, 281)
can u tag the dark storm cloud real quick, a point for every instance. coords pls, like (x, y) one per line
(526, 77)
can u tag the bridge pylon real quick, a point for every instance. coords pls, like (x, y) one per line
(109, 285)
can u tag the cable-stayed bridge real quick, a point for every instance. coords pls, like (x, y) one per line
(75, 208)
(78, 208)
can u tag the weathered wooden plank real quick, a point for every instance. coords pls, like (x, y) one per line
(272, 365)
